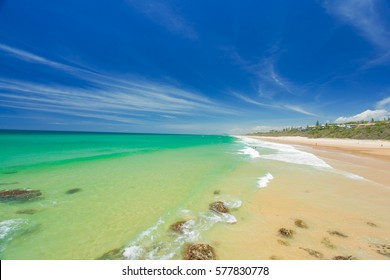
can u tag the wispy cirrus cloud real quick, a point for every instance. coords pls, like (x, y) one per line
(369, 21)
(274, 105)
(104, 96)
(164, 14)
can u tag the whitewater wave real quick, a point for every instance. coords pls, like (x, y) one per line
(282, 152)
(264, 180)
(156, 243)
(250, 152)
(8, 229)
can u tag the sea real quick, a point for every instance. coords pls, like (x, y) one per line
(113, 195)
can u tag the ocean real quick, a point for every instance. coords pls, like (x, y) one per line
(116, 195)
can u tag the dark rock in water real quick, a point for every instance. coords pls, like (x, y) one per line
(344, 258)
(300, 223)
(217, 192)
(19, 194)
(27, 211)
(328, 243)
(382, 249)
(10, 172)
(371, 224)
(115, 254)
(337, 233)
(7, 184)
(72, 191)
(199, 252)
(312, 252)
(178, 226)
(218, 206)
(286, 232)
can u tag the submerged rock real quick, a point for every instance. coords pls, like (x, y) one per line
(10, 172)
(312, 252)
(7, 184)
(217, 192)
(27, 211)
(219, 206)
(19, 194)
(72, 191)
(114, 254)
(286, 232)
(199, 251)
(344, 258)
(300, 223)
(337, 233)
(178, 226)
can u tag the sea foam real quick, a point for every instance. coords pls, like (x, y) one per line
(156, 243)
(283, 152)
(250, 152)
(264, 180)
(8, 229)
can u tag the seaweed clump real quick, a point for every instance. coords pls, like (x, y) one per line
(312, 252)
(338, 258)
(382, 249)
(199, 251)
(337, 233)
(328, 243)
(286, 232)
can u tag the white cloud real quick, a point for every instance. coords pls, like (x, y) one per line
(365, 16)
(299, 110)
(383, 103)
(165, 15)
(365, 116)
(106, 97)
(250, 100)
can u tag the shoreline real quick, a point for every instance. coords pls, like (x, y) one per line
(367, 158)
(375, 148)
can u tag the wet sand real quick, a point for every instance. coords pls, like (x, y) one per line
(344, 217)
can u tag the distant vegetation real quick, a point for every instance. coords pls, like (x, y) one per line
(354, 130)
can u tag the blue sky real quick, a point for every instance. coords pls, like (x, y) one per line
(192, 66)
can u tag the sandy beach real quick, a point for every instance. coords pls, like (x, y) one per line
(342, 217)
(367, 158)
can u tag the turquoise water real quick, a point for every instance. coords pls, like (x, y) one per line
(131, 188)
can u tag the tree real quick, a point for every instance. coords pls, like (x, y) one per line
(317, 124)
